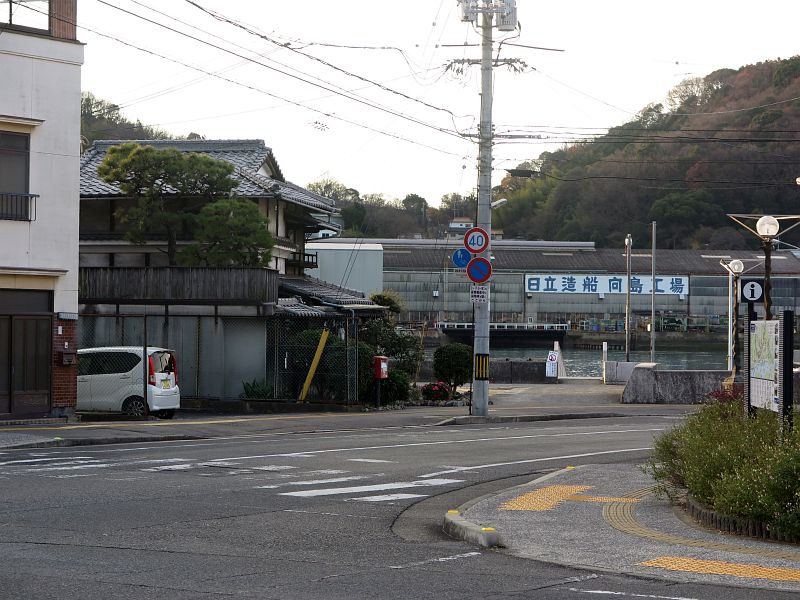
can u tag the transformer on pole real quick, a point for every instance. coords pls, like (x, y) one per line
(506, 12)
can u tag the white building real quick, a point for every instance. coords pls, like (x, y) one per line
(350, 264)
(40, 75)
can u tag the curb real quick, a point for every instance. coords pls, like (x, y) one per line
(69, 442)
(473, 420)
(458, 527)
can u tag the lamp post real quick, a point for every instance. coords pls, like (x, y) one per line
(767, 228)
(628, 244)
(734, 268)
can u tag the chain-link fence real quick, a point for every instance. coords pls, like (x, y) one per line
(254, 358)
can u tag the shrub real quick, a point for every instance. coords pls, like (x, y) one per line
(258, 389)
(741, 467)
(437, 391)
(395, 388)
(452, 363)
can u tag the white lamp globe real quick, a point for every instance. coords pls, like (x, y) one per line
(767, 226)
(736, 266)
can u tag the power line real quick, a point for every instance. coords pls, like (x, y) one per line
(253, 88)
(222, 18)
(285, 73)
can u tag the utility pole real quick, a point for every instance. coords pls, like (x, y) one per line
(507, 21)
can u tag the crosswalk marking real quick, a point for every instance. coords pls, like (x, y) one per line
(371, 488)
(331, 480)
(370, 460)
(388, 497)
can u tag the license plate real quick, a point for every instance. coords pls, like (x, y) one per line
(165, 384)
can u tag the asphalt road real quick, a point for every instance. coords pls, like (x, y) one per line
(337, 514)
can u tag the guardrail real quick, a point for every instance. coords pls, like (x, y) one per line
(445, 325)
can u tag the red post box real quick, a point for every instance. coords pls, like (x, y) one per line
(380, 367)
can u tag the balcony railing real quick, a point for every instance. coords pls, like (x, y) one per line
(18, 207)
(177, 285)
(301, 259)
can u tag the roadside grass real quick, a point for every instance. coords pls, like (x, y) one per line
(741, 467)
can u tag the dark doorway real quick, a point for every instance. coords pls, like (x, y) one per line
(26, 324)
(25, 365)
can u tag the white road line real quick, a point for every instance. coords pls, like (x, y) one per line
(388, 497)
(272, 468)
(96, 465)
(332, 480)
(33, 460)
(310, 453)
(530, 460)
(371, 488)
(183, 467)
(370, 460)
(330, 514)
(629, 595)
(436, 560)
(323, 472)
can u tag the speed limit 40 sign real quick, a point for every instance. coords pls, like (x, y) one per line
(476, 240)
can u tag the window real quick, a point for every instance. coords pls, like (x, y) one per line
(14, 158)
(15, 201)
(26, 14)
(106, 363)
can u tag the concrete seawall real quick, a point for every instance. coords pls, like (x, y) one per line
(648, 384)
(503, 370)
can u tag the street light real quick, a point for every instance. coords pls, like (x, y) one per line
(734, 268)
(767, 228)
(628, 244)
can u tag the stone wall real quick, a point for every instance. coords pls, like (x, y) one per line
(649, 385)
(503, 370)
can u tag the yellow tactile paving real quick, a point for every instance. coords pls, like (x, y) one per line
(545, 498)
(601, 499)
(549, 497)
(715, 567)
(622, 518)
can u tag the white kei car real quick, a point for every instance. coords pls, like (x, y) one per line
(110, 379)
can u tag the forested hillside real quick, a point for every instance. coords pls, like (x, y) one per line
(726, 143)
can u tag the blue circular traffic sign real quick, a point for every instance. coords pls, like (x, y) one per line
(461, 258)
(479, 270)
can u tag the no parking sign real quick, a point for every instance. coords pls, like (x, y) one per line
(551, 366)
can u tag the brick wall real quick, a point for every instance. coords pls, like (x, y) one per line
(63, 16)
(64, 377)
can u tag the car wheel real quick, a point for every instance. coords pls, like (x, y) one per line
(166, 413)
(135, 407)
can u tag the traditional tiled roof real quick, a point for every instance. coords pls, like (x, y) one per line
(247, 157)
(295, 307)
(313, 290)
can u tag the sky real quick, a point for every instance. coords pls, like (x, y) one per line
(365, 91)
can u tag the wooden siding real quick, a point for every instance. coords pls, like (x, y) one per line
(177, 285)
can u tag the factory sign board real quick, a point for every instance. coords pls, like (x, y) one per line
(589, 283)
